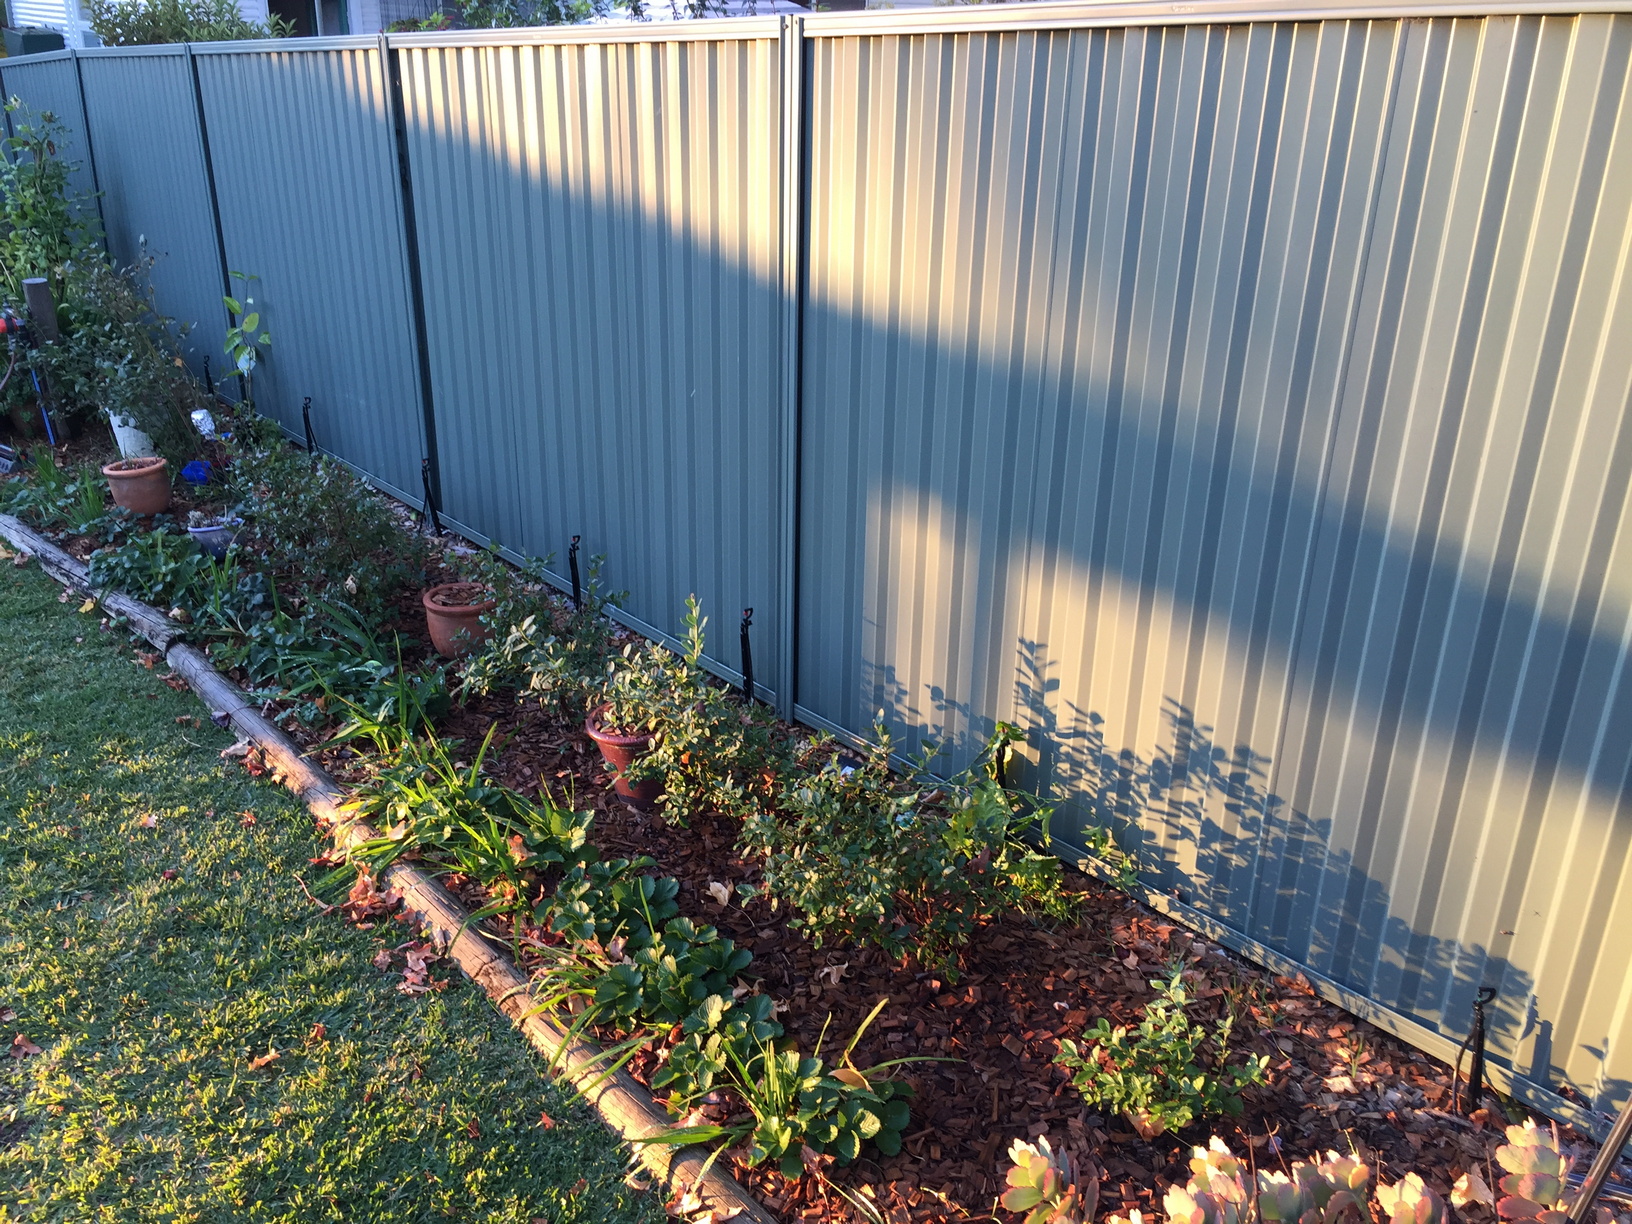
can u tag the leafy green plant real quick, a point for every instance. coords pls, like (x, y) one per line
(541, 646)
(157, 566)
(712, 751)
(319, 524)
(246, 337)
(1157, 1075)
(41, 226)
(796, 1102)
(131, 23)
(910, 866)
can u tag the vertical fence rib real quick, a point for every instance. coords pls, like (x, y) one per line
(392, 71)
(209, 177)
(793, 263)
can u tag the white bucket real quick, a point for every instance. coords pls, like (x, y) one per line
(133, 443)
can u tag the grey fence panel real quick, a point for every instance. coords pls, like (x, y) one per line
(600, 223)
(1455, 765)
(50, 82)
(1234, 408)
(303, 148)
(143, 117)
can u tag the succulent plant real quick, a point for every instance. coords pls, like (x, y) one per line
(1044, 1184)
(1534, 1188)
(1411, 1202)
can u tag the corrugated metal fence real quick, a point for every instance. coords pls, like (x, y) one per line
(1235, 398)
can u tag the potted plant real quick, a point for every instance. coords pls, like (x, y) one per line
(214, 533)
(624, 734)
(453, 614)
(142, 485)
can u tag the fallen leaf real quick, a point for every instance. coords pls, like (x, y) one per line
(247, 819)
(1131, 960)
(471, 1129)
(1339, 1083)
(271, 1056)
(833, 972)
(1471, 1188)
(7, 1015)
(382, 959)
(169, 873)
(720, 892)
(6, 554)
(147, 658)
(63, 598)
(547, 1122)
(22, 1047)
(237, 750)
(175, 682)
(20, 560)
(580, 1186)
(150, 821)
(319, 1032)
(88, 606)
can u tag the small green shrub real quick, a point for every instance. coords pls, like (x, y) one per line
(908, 866)
(1158, 1075)
(318, 523)
(713, 751)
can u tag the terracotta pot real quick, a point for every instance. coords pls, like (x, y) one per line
(453, 615)
(619, 752)
(141, 486)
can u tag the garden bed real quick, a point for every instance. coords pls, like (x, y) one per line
(980, 1031)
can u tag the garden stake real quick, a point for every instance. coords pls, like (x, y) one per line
(747, 658)
(1599, 1173)
(306, 420)
(1476, 1068)
(427, 513)
(572, 562)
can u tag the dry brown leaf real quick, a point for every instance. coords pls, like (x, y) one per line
(382, 959)
(22, 1047)
(320, 1032)
(720, 892)
(7, 1015)
(150, 821)
(547, 1122)
(271, 1056)
(247, 819)
(88, 606)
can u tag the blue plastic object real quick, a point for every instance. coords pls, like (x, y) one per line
(197, 472)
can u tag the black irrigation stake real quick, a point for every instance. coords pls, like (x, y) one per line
(306, 420)
(1476, 1068)
(577, 589)
(747, 657)
(428, 513)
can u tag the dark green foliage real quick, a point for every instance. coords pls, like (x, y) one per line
(910, 866)
(130, 23)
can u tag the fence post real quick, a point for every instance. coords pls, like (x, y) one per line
(90, 148)
(391, 73)
(792, 190)
(215, 200)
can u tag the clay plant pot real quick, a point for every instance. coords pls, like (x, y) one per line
(619, 752)
(453, 613)
(140, 485)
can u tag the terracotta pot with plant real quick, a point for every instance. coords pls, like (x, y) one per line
(622, 742)
(140, 485)
(453, 614)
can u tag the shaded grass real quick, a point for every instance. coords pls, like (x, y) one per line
(150, 996)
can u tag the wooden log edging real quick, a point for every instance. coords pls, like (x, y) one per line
(623, 1103)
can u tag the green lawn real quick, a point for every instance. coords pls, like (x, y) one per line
(154, 943)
